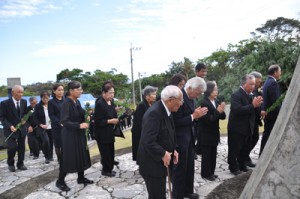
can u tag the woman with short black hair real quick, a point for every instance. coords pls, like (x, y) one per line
(42, 120)
(149, 97)
(105, 118)
(54, 108)
(209, 130)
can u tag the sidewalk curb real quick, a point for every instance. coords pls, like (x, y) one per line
(22, 190)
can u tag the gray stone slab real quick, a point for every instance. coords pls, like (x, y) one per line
(277, 174)
(128, 191)
(44, 194)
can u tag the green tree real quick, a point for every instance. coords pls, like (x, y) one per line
(69, 75)
(280, 28)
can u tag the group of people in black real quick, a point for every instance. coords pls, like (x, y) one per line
(162, 149)
(166, 133)
(126, 119)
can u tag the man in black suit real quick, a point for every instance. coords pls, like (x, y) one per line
(201, 71)
(241, 124)
(257, 122)
(12, 110)
(158, 142)
(271, 93)
(185, 120)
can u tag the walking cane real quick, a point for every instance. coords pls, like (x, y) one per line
(169, 182)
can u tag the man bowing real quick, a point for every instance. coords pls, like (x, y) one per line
(158, 142)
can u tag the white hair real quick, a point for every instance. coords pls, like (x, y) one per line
(246, 78)
(169, 92)
(196, 83)
(17, 87)
(256, 74)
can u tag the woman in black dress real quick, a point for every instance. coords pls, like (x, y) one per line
(106, 118)
(210, 130)
(75, 153)
(149, 97)
(54, 108)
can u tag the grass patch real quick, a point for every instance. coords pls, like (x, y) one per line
(119, 144)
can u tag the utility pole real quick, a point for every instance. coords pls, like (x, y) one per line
(132, 78)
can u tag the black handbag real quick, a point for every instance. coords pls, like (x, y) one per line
(117, 131)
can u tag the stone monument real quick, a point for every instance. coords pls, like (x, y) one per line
(277, 173)
(11, 82)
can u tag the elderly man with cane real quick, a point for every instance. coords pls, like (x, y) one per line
(158, 142)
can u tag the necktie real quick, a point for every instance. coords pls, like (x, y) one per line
(250, 98)
(18, 109)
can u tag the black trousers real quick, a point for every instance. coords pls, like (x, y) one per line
(57, 139)
(135, 145)
(33, 143)
(253, 141)
(198, 148)
(156, 187)
(183, 171)
(238, 147)
(268, 126)
(51, 141)
(208, 162)
(107, 151)
(45, 143)
(16, 145)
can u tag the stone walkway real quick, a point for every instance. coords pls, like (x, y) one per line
(39, 179)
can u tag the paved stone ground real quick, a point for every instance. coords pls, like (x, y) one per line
(127, 183)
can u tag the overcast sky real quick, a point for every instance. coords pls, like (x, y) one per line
(40, 38)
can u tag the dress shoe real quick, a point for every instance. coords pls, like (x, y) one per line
(250, 164)
(210, 178)
(62, 186)
(84, 181)
(12, 168)
(22, 167)
(31, 154)
(237, 172)
(51, 159)
(113, 172)
(109, 174)
(116, 163)
(192, 196)
(245, 169)
(216, 176)
(47, 161)
(35, 157)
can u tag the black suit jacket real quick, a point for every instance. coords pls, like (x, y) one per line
(39, 114)
(158, 136)
(138, 118)
(9, 117)
(242, 114)
(31, 121)
(54, 108)
(103, 112)
(209, 124)
(184, 125)
(258, 121)
(271, 93)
